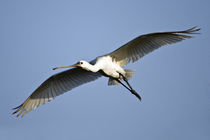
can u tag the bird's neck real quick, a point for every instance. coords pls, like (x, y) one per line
(92, 68)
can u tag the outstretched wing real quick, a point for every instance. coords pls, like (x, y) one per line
(144, 44)
(55, 86)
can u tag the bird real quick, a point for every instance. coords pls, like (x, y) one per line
(109, 65)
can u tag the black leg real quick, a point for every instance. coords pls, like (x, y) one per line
(126, 81)
(130, 89)
(136, 94)
(123, 84)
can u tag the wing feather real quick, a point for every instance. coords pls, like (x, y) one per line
(144, 44)
(55, 86)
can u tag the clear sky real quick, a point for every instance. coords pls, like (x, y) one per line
(174, 81)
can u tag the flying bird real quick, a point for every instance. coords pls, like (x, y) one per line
(109, 65)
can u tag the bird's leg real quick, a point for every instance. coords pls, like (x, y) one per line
(126, 81)
(131, 90)
(123, 84)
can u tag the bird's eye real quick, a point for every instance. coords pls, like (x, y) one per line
(81, 63)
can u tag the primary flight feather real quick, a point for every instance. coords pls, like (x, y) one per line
(109, 65)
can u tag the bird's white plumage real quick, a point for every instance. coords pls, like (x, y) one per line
(110, 64)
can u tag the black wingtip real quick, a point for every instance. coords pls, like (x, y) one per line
(193, 30)
(17, 107)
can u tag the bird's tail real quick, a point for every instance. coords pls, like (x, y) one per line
(128, 75)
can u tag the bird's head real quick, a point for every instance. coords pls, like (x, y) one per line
(83, 64)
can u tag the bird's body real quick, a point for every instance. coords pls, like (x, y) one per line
(110, 65)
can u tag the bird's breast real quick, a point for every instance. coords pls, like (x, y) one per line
(109, 67)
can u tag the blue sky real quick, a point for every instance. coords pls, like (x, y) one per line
(174, 81)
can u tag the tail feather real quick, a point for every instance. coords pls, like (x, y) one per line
(129, 73)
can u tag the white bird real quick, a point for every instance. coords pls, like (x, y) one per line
(109, 65)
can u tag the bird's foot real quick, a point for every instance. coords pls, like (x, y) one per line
(136, 94)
